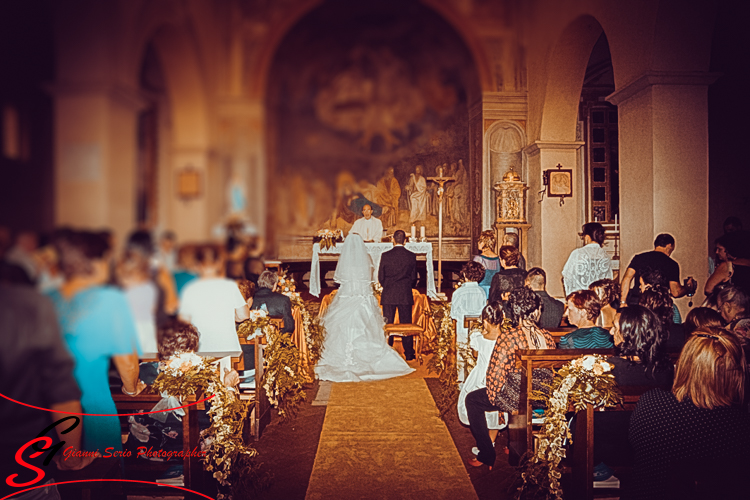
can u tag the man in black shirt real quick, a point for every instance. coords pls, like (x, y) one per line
(552, 309)
(657, 260)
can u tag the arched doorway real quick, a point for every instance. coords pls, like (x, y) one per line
(356, 88)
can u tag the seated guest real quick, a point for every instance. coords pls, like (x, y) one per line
(701, 317)
(511, 239)
(277, 304)
(503, 376)
(488, 258)
(608, 292)
(694, 441)
(736, 268)
(483, 342)
(583, 310)
(467, 300)
(552, 309)
(247, 289)
(187, 268)
(509, 277)
(658, 299)
(734, 306)
(163, 430)
(213, 303)
(640, 361)
(368, 227)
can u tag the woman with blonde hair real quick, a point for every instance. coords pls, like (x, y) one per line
(694, 441)
(488, 258)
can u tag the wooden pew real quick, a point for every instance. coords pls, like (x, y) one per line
(520, 426)
(260, 411)
(193, 469)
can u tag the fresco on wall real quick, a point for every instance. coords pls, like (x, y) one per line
(367, 100)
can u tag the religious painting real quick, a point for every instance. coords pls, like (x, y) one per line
(368, 100)
(559, 182)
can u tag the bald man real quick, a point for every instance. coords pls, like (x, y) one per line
(368, 227)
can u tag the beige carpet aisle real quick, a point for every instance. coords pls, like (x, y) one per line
(384, 440)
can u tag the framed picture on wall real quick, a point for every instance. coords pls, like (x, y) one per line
(559, 182)
(188, 183)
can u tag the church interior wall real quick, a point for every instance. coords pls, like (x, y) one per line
(527, 60)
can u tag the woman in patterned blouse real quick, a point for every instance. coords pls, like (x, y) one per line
(503, 378)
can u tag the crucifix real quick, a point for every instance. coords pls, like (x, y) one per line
(440, 180)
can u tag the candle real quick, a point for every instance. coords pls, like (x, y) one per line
(413, 232)
(421, 232)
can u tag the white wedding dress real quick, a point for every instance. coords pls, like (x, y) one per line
(355, 347)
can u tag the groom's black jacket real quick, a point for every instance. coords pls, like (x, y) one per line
(398, 275)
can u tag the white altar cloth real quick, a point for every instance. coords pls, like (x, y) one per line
(375, 250)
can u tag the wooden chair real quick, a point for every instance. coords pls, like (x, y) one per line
(401, 330)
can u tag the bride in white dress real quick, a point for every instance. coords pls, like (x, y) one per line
(355, 348)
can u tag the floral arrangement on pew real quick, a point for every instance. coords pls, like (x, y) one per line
(314, 331)
(227, 455)
(582, 381)
(443, 361)
(328, 238)
(283, 376)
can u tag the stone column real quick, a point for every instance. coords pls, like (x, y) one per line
(663, 124)
(554, 228)
(95, 156)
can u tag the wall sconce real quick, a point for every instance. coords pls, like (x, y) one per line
(188, 183)
(559, 183)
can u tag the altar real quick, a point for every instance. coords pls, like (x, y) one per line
(375, 250)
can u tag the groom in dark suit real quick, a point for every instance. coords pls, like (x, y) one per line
(397, 275)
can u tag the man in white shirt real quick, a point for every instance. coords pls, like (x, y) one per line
(368, 227)
(213, 304)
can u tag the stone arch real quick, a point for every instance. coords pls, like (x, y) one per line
(503, 146)
(261, 71)
(566, 70)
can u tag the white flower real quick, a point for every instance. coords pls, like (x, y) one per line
(588, 362)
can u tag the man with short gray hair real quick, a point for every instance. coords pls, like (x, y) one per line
(277, 304)
(552, 309)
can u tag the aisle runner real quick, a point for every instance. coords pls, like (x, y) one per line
(385, 440)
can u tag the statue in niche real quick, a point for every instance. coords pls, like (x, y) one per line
(416, 191)
(460, 205)
(387, 193)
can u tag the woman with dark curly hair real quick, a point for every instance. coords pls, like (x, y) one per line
(588, 263)
(583, 310)
(640, 361)
(503, 377)
(658, 299)
(493, 323)
(509, 277)
(608, 292)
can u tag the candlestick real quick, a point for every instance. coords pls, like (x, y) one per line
(413, 232)
(421, 232)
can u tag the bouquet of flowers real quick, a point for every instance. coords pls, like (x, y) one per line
(582, 381)
(328, 238)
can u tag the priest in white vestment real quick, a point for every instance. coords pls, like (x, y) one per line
(417, 189)
(368, 227)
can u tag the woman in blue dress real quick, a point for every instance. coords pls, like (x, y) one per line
(97, 325)
(488, 258)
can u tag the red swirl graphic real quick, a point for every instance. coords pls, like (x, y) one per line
(105, 414)
(104, 480)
